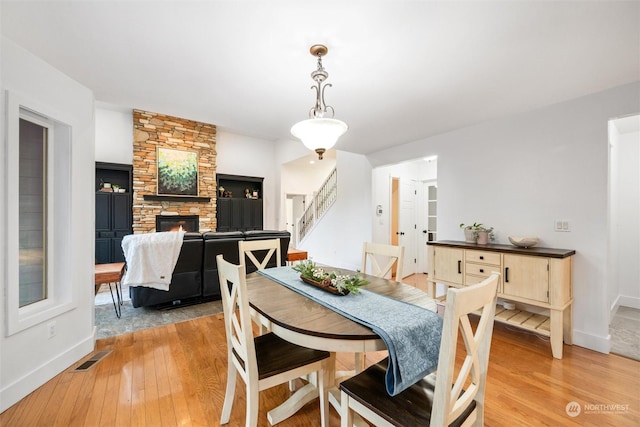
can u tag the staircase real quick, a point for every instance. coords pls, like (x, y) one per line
(321, 202)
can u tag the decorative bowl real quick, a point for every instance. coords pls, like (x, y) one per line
(523, 242)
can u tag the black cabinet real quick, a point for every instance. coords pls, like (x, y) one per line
(237, 212)
(113, 212)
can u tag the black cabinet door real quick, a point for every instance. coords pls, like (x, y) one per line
(103, 212)
(116, 250)
(121, 211)
(257, 214)
(113, 222)
(236, 214)
(223, 214)
(103, 250)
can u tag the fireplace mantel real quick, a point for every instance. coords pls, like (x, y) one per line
(176, 198)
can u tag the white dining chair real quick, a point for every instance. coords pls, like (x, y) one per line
(436, 400)
(372, 252)
(267, 360)
(259, 253)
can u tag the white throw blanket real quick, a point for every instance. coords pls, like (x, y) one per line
(151, 258)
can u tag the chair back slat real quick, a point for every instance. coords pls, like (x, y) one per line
(371, 252)
(263, 248)
(451, 401)
(237, 320)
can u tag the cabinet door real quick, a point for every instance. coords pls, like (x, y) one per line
(236, 214)
(121, 212)
(526, 277)
(103, 251)
(252, 215)
(223, 214)
(117, 255)
(103, 212)
(448, 264)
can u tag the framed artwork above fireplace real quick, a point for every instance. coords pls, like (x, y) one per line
(177, 172)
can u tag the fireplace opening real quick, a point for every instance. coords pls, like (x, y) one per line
(189, 223)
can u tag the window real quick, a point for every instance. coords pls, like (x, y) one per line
(37, 202)
(32, 220)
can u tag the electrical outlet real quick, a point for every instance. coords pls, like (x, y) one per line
(51, 329)
(557, 225)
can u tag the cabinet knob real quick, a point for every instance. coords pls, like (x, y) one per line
(481, 257)
(482, 270)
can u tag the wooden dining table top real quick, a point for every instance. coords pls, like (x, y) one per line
(293, 311)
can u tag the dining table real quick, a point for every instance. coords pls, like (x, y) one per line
(303, 321)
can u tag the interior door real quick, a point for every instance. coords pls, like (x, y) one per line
(428, 221)
(407, 228)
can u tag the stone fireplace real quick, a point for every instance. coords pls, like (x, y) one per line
(152, 131)
(189, 223)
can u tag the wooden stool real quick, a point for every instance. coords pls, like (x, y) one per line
(110, 273)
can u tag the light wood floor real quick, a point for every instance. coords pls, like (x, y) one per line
(174, 375)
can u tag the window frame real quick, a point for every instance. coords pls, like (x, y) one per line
(60, 296)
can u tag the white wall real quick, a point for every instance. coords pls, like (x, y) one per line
(114, 134)
(337, 238)
(244, 155)
(28, 358)
(624, 285)
(417, 170)
(520, 173)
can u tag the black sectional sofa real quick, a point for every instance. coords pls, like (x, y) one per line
(195, 277)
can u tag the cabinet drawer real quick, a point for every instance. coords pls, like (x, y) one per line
(481, 270)
(483, 257)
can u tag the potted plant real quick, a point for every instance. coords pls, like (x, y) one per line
(485, 234)
(471, 232)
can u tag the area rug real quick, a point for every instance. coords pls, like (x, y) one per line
(625, 333)
(134, 319)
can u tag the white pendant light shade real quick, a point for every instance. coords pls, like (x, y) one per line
(319, 133)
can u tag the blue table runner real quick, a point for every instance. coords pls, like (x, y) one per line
(411, 333)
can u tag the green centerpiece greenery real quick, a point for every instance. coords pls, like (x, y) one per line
(343, 283)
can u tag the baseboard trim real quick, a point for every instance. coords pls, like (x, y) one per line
(592, 342)
(14, 392)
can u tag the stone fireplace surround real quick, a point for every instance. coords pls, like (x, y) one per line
(153, 130)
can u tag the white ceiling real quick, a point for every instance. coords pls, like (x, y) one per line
(401, 70)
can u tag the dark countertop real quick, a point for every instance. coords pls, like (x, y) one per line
(534, 251)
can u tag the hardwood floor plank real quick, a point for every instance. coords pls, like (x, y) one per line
(167, 410)
(176, 374)
(151, 405)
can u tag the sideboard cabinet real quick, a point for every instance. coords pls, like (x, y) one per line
(538, 280)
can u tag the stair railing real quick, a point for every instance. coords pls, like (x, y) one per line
(322, 201)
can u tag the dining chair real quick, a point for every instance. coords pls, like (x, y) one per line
(436, 400)
(266, 360)
(373, 251)
(260, 253)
